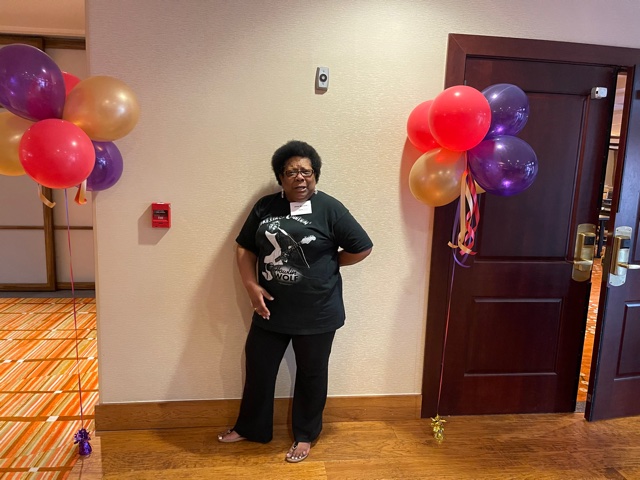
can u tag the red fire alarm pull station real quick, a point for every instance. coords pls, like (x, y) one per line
(161, 215)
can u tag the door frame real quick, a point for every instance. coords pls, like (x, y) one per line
(459, 48)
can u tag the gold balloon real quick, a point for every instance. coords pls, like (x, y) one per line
(12, 128)
(435, 177)
(104, 107)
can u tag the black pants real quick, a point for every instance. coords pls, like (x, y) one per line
(264, 351)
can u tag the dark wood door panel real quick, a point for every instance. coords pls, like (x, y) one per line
(508, 229)
(536, 76)
(629, 354)
(503, 391)
(517, 319)
(614, 384)
(531, 266)
(531, 326)
(559, 104)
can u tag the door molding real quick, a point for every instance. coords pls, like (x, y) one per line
(460, 47)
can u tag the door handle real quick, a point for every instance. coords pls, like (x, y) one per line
(630, 266)
(620, 256)
(584, 252)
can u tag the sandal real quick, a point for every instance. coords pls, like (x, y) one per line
(222, 437)
(295, 459)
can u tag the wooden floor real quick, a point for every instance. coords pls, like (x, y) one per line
(547, 446)
(480, 447)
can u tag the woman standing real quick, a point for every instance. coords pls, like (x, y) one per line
(289, 255)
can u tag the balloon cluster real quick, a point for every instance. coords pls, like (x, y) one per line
(465, 130)
(58, 129)
(470, 146)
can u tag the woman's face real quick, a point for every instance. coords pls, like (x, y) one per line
(298, 187)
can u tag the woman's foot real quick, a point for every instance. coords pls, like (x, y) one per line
(230, 436)
(298, 452)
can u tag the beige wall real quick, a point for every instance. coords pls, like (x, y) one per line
(43, 17)
(221, 85)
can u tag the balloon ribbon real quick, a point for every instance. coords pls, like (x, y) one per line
(468, 219)
(44, 199)
(82, 436)
(467, 222)
(81, 195)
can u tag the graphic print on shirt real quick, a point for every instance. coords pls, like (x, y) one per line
(287, 261)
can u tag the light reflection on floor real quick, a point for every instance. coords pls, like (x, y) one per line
(596, 279)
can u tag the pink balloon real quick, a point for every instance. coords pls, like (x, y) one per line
(418, 130)
(56, 153)
(70, 81)
(459, 118)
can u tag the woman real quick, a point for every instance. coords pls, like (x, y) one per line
(289, 255)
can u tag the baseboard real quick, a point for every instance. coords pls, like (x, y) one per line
(209, 413)
(76, 286)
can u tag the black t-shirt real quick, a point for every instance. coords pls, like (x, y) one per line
(298, 260)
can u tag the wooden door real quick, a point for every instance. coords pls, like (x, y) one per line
(514, 321)
(516, 327)
(614, 384)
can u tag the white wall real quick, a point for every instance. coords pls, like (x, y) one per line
(221, 85)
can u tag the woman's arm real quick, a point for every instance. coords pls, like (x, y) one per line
(247, 261)
(346, 258)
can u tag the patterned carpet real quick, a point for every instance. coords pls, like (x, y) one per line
(596, 279)
(40, 375)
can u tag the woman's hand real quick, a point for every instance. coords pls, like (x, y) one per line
(257, 294)
(247, 266)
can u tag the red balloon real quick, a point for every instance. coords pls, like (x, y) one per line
(70, 81)
(418, 130)
(459, 118)
(56, 153)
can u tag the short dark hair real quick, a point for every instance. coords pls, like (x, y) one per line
(295, 148)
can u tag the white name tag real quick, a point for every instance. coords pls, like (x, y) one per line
(300, 208)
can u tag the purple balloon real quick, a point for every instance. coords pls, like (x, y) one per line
(509, 109)
(503, 165)
(31, 84)
(108, 168)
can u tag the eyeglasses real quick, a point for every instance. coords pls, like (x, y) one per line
(294, 173)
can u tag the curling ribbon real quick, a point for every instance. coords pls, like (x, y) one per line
(454, 235)
(437, 423)
(82, 436)
(81, 195)
(468, 219)
(44, 199)
(467, 223)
